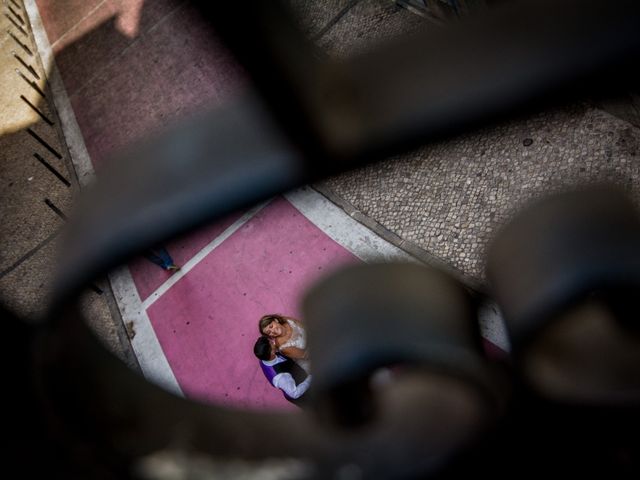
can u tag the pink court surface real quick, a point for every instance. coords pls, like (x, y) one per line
(122, 87)
(207, 321)
(204, 318)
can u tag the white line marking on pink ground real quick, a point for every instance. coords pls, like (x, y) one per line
(207, 322)
(344, 230)
(198, 257)
(151, 358)
(367, 246)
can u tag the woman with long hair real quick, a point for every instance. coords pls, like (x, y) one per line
(288, 335)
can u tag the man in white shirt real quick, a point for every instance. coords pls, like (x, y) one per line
(282, 372)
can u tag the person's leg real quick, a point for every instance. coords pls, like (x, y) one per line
(169, 264)
(160, 256)
(152, 257)
(167, 261)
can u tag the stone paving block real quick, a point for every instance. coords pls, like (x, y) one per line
(625, 106)
(26, 289)
(451, 197)
(367, 24)
(314, 17)
(99, 310)
(25, 182)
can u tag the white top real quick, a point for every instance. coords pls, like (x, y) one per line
(298, 339)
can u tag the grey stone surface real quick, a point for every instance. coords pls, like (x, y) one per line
(451, 197)
(24, 184)
(100, 312)
(448, 199)
(367, 24)
(27, 254)
(29, 235)
(26, 289)
(625, 106)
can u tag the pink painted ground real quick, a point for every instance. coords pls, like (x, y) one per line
(148, 276)
(207, 323)
(132, 68)
(135, 67)
(493, 351)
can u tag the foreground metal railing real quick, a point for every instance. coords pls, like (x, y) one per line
(566, 272)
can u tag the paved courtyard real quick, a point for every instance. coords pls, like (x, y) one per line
(129, 69)
(445, 201)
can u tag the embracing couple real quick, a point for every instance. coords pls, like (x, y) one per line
(281, 349)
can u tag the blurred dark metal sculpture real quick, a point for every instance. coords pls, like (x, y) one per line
(448, 410)
(567, 275)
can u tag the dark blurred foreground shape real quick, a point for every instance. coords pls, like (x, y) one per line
(565, 272)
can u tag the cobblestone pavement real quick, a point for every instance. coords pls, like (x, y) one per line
(450, 198)
(345, 27)
(445, 201)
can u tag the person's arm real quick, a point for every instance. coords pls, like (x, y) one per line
(294, 352)
(286, 383)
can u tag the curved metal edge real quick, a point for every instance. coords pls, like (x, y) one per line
(421, 325)
(96, 404)
(559, 250)
(223, 161)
